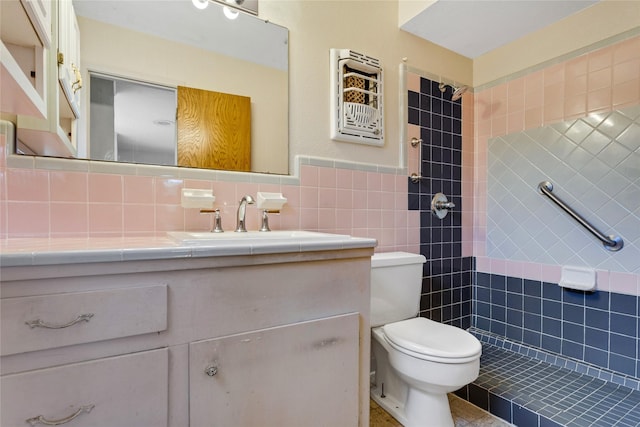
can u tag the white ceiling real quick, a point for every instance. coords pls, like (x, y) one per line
(474, 27)
(246, 37)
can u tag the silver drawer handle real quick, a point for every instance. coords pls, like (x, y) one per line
(42, 324)
(42, 420)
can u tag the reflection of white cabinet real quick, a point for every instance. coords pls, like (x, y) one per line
(25, 32)
(69, 56)
(43, 97)
(39, 12)
(278, 376)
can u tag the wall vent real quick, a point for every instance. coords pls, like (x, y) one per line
(356, 98)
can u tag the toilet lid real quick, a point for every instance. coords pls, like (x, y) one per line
(426, 337)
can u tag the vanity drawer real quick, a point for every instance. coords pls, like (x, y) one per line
(129, 390)
(49, 321)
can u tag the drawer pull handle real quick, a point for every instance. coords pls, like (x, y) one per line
(42, 420)
(38, 323)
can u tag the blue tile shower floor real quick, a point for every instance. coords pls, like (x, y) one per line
(532, 393)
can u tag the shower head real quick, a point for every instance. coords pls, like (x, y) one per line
(457, 90)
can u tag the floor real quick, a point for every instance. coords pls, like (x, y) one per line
(559, 394)
(464, 415)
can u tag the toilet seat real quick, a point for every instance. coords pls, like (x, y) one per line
(428, 340)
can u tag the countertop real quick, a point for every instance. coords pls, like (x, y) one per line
(22, 252)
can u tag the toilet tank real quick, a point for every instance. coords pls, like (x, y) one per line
(396, 284)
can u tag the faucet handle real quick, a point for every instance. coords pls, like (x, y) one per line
(217, 219)
(265, 218)
(217, 222)
(265, 221)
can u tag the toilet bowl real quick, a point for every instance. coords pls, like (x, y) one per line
(415, 361)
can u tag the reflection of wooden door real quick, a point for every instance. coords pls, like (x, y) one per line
(214, 130)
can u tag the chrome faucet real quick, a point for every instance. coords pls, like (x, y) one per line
(242, 210)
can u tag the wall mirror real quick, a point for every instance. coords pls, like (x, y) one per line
(170, 44)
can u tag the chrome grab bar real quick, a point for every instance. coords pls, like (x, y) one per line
(610, 243)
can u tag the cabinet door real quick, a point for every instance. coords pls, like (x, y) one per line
(69, 55)
(305, 374)
(39, 12)
(129, 390)
(217, 136)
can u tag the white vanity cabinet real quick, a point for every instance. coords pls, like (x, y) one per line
(128, 390)
(57, 320)
(248, 340)
(282, 376)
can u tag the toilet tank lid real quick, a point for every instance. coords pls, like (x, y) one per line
(387, 259)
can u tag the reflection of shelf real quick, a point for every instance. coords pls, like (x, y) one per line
(18, 94)
(24, 37)
(38, 136)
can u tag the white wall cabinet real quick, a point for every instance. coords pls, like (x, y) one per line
(274, 339)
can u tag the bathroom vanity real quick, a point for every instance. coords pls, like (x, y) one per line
(155, 333)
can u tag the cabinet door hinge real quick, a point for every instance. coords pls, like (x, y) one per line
(60, 58)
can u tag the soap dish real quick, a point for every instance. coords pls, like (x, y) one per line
(580, 278)
(196, 198)
(270, 201)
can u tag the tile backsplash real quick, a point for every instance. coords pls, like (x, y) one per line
(48, 198)
(594, 165)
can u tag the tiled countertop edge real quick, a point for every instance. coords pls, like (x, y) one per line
(20, 253)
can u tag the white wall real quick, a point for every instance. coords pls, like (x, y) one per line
(369, 27)
(604, 20)
(126, 53)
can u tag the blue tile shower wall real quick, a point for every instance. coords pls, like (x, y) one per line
(447, 278)
(599, 328)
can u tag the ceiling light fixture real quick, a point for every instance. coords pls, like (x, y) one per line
(200, 4)
(230, 13)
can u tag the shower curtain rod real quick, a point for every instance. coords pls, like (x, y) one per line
(610, 243)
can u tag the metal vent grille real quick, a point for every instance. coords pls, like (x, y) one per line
(357, 98)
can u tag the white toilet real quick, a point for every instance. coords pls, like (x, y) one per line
(415, 361)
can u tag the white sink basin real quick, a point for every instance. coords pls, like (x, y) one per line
(252, 237)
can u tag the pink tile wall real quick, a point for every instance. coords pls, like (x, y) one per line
(51, 203)
(600, 81)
